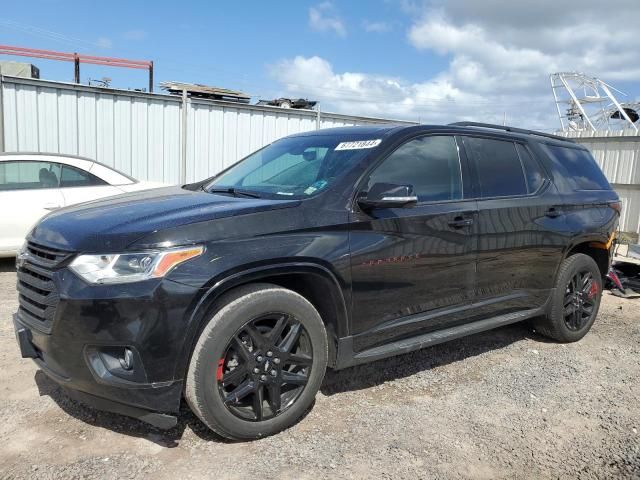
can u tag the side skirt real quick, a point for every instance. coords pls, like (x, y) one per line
(348, 358)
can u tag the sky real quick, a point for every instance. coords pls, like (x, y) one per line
(433, 61)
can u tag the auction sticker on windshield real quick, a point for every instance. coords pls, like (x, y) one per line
(359, 144)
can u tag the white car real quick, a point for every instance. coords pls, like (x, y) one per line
(33, 184)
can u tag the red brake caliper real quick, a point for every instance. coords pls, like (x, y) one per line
(220, 370)
(593, 290)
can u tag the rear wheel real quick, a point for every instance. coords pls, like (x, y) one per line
(575, 302)
(258, 364)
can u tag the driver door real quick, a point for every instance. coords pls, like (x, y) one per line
(413, 268)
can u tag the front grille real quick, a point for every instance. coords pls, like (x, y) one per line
(37, 293)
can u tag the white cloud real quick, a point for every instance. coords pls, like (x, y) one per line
(499, 54)
(376, 27)
(323, 18)
(509, 46)
(104, 42)
(437, 100)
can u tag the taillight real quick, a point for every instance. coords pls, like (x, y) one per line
(617, 206)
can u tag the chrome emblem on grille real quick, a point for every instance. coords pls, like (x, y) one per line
(21, 259)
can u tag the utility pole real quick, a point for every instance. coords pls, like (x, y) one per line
(151, 76)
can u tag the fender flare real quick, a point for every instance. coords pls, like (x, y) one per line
(226, 282)
(600, 237)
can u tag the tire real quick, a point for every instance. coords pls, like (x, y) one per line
(231, 385)
(573, 310)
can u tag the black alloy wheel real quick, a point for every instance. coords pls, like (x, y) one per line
(265, 367)
(579, 300)
(573, 305)
(258, 363)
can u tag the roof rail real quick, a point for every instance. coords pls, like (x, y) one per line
(511, 129)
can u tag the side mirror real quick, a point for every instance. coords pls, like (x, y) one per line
(388, 195)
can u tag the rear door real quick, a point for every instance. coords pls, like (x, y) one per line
(586, 193)
(519, 239)
(29, 189)
(413, 267)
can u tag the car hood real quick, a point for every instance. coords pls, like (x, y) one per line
(137, 186)
(114, 223)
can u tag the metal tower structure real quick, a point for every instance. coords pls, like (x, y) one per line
(588, 103)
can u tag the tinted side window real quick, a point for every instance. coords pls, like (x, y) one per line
(581, 168)
(73, 177)
(28, 175)
(430, 164)
(498, 167)
(534, 175)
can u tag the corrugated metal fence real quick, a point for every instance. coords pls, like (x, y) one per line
(141, 134)
(618, 154)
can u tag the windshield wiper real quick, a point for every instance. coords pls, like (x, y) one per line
(232, 191)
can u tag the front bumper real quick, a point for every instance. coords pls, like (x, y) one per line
(93, 325)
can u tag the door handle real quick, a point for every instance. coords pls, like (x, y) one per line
(461, 222)
(553, 212)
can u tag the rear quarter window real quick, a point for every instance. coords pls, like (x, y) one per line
(579, 167)
(74, 177)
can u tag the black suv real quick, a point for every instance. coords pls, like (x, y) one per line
(323, 249)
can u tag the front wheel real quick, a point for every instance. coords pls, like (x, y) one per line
(575, 302)
(258, 363)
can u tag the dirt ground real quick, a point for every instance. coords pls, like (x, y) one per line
(502, 404)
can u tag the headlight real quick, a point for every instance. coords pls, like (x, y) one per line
(131, 267)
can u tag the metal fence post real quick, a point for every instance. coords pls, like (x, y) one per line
(1, 113)
(183, 169)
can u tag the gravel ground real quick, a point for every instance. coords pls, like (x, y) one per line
(502, 404)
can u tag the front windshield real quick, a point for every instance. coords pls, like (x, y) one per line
(295, 167)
